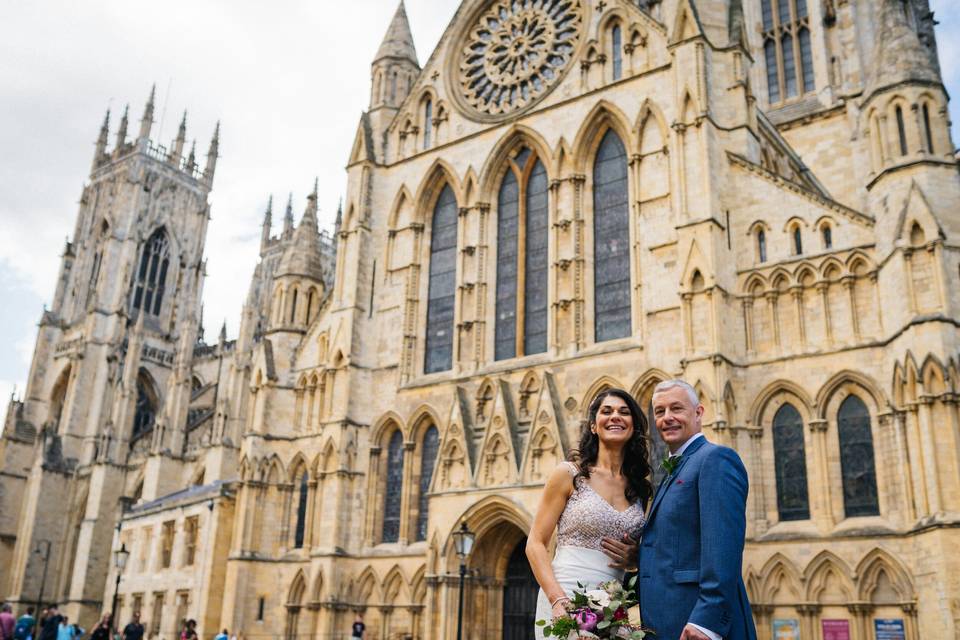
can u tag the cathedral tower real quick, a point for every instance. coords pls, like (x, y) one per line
(110, 377)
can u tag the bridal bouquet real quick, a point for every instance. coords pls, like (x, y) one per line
(609, 611)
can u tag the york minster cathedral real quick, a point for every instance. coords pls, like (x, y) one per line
(759, 196)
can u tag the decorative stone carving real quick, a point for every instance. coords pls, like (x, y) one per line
(515, 53)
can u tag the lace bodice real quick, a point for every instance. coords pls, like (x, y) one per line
(588, 517)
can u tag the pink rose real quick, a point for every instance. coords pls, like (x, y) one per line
(586, 619)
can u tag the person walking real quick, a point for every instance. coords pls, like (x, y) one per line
(223, 635)
(24, 628)
(67, 631)
(133, 630)
(7, 622)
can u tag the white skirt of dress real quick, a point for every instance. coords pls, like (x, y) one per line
(573, 565)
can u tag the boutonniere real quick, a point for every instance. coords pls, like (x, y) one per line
(669, 464)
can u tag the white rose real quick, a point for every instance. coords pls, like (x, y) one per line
(599, 596)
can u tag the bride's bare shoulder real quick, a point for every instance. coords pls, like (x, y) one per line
(562, 476)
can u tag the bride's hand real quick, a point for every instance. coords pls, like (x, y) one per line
(623, 552)
(560, 608)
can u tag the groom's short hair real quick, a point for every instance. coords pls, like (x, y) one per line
(671, 384)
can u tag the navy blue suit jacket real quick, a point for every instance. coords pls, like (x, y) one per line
(691, 554)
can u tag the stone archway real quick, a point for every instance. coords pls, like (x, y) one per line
(497, 568)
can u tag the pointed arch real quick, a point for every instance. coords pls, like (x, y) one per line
(878, 564)
(402, 209)
(933, 376)
(147, 404)
(825, 573)
(394, 586)
(441, 174)
(384, 426)
(603, 117)
(495, 166)
(599, 385)
(298, 588)
(780, 576)
(651, 127)
(366, 587)
(760, 406)
(149, 285)
(873, 394)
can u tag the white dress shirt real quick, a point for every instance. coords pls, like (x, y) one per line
(679, 452)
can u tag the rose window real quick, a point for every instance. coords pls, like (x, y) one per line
(516, 52)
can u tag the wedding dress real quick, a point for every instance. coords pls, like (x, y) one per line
(585, 520)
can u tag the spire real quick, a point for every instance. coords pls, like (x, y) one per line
(102, 140)
(212, 154)
(223, 333)
(339, 222)
(267, 223)
(192, 158)
(288, 218)
(898, 54)
(398, 41)
(310, 214)
(180, 140)
(146, 122)
(122, 131)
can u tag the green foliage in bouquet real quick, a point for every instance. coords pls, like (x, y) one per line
(609, 611)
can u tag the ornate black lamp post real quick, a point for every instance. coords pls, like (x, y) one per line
(119, 562)
(463, 540)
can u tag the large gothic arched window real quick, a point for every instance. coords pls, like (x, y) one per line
(301, 525)
(393, 493)
(442, 288)
(151, 275)
(428, 460)
(790, 462)
(611, 241)
(856, 459)
(522, 224)
(786, 49)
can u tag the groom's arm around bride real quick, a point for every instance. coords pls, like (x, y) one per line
(691, 555)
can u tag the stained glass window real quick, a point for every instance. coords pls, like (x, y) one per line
(393, 492)
(428, 460)
(787, 50)
(790, 462)
(443, 284)
(151, 276)
(522, 212)
(301, 512)
(611, 237)
(616, 38)
(856, 459)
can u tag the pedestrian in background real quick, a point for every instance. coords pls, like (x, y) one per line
(223, 635)
(133, 630)
(50, 625)
(7, 622)
(24, 628)
(102, 630)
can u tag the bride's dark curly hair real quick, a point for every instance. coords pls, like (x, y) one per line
(636, 456)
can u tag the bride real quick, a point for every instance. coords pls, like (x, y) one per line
(595, 502)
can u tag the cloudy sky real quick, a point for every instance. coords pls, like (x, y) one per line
(288, 81)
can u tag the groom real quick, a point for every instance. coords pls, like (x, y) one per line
(690, 585)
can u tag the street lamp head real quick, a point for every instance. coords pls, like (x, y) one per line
(463, 540)
(120, 557)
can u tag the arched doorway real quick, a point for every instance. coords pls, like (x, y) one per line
(519, 596)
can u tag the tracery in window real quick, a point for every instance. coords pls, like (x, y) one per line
(616, 57)
(393, 492)
(441, 290)
(790, 463)
(611, 239)
(856, 459)
(522, 226)
(428, 460)
(787, 49)
(301, 525)
(151, 276)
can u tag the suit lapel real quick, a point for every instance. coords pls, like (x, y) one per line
(668, 481)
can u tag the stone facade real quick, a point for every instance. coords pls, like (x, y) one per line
(788, 242)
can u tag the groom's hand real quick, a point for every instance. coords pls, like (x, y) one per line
(690, 632)
(623, 552)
